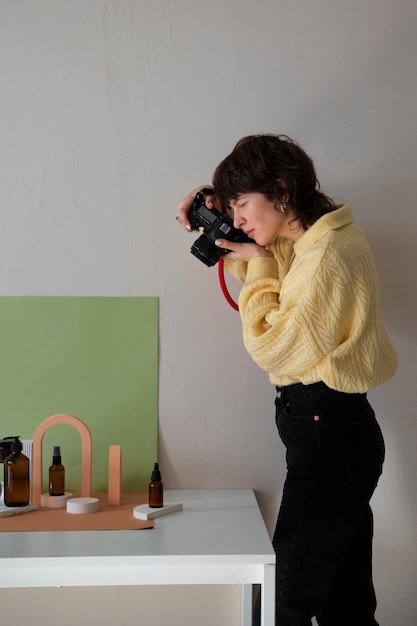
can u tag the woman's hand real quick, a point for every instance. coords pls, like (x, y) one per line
(243, 251)
(186, 204)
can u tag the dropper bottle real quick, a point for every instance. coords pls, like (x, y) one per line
(156, 489)
(56, 474)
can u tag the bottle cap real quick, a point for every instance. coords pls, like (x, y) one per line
(156, 474)
(16, 445)
(5, 447)
(56, 457)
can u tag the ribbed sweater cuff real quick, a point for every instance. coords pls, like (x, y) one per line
(261, 267)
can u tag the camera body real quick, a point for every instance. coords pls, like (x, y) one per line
(214, 225)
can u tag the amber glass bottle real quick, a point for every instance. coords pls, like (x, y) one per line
(56, 474)
(16, 476)
(156, 489)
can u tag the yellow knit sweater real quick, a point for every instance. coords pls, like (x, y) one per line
(312, 312)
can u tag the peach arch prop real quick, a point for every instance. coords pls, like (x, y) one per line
(86, 459)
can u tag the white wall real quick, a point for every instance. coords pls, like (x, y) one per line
(111, 110)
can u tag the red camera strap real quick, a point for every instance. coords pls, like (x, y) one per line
(224, 286)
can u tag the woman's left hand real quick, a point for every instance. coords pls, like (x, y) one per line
(243, 251)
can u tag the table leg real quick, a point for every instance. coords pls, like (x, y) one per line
(246, 605)
(268, 597)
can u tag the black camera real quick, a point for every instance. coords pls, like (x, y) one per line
(213, 225)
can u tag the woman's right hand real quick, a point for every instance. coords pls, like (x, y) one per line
(186, 204)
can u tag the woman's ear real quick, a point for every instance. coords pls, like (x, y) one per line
(282, 190)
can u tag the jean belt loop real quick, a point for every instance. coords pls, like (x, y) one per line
(280, 392)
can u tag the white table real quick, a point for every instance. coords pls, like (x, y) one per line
(218, 538)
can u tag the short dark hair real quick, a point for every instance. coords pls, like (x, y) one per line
(275, 166)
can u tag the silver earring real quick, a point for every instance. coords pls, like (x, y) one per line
(283, 207)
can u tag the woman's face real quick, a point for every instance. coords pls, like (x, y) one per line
(260, 220)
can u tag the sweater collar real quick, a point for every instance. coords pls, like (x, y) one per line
(341, 216)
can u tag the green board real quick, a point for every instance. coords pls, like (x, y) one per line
(94, 358)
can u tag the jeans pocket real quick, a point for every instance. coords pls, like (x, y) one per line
(301, 435)
(364, 450)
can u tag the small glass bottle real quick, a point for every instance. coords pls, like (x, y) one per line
(156, 489)
(56, 474)
(16, 476)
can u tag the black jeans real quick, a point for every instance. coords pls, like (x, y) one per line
(323, 538)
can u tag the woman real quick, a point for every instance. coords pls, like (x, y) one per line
(309, 307)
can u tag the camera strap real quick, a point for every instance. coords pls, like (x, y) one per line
(223, 285)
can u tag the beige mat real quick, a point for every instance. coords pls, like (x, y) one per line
(107, 518)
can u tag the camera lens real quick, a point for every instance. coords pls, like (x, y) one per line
(206, 252)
